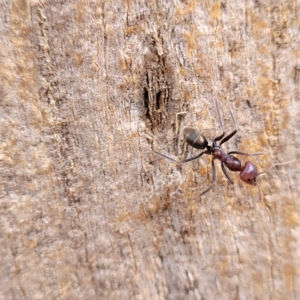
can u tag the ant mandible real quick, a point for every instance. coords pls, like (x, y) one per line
(248, 171)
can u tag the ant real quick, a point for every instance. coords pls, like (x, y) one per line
(248, 171)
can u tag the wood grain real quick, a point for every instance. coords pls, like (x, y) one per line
(88, 90)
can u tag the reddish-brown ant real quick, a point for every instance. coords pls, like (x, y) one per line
(248, 171)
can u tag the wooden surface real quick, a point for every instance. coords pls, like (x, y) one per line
(88, 90)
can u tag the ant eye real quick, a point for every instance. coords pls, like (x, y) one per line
(249, 179)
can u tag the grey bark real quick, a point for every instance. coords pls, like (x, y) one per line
(88, 91)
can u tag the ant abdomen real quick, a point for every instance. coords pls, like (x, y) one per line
(194, 138)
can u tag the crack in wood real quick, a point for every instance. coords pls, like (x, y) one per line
(157, 88)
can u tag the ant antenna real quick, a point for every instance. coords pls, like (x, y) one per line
(259, 190)
(274, 165)
(263, 203)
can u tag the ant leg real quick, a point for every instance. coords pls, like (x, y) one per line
(221, 123)
(176, 120)
(183, 161)
(229, 136)
(213, 171)
(232, 116)
(219, 114)
(167, 157)
(246, 154)
(226, 174)
(194, 157)
(177, 129)
(218, 138)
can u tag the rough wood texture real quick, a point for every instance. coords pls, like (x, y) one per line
(88, 90)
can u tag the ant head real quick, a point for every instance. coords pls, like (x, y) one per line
(249, 173)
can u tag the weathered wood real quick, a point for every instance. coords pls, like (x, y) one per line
(88, 90)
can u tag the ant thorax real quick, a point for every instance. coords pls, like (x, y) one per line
(217, 152)
(231, 162)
